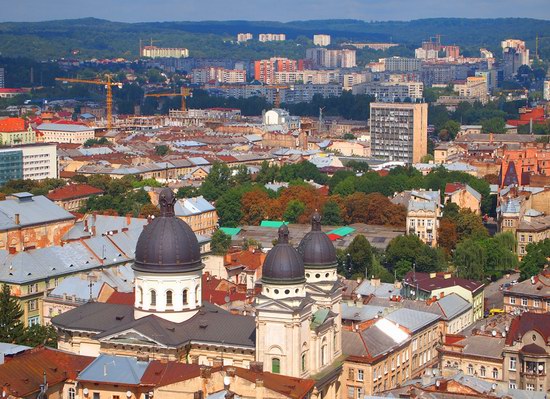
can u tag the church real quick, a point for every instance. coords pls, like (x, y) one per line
(296, 329)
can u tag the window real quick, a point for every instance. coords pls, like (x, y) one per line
(512, 300)
(495, 373)
(71, 393)
(351, 392)
(360, 375)
(33, 305)
(324, 353)
(351, 374)
(470, 369)
(359, 393)
(96, 395)
(116, 396)
(34, 320)
(524, 302)
(304, 362)
(512, 364)
(536, 303)
(197, 294)
(276, 365)
(482, 371)
(169, 298)
(512, 385)
(530, 387)
(153, 298)
(184, 295)
(415, 345)
(140, 291)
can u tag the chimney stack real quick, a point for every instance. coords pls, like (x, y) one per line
(17, 219)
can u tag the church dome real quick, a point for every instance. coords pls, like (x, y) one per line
(167, 244)
(283, 264)
(316, 248)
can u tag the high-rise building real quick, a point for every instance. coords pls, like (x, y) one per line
(402, 64)
(546, 90)
(452, 52)
(514, 55)
(272, 37)
(399, 131)
(2, 77)
(219, 75)
(321, 57)
(159, 52)
(244, 37)
(264, 70)
(321, 40)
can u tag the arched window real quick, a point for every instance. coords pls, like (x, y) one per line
(276, 365)
(324, 352)
(335, 341)
(153, 298)
(197, 294)
(169, 298)
(140, 292)
(470, 369)
(184, 297)
(482, 371)
(71, 393)
(495, 373)
(304, 362)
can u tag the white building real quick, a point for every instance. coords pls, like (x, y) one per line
(30, 161)
(546, 90)
(272, 37)
(282, 118)
(321, 40)
(160, 52)
(65, 133)
(244, 37)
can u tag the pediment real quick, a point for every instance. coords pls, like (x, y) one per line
(130, 337)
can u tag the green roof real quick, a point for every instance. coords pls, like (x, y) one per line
(319, 318)
(342, 231)
(272, 223)
(231, 231)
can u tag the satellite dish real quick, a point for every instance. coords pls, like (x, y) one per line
(226, 381)
(227, 299)
(494, 333)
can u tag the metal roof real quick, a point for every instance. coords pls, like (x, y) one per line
(114, 370)
(62, 127)
(31, 209)
(412, 319)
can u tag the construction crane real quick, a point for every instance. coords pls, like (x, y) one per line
(184, 93)
(108, 85)
(276, 87)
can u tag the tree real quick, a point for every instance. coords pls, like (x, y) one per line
(332, 214)
(535, 260)
(447, 235)
(11, 326)
(493, 125)
(241, 175)
(255, 207)
(220, 243)
(360, 256)
(36, 335)
(427, 158)
(149, 210)
(449, 130)
(217, 181)
(294, 210)
(470, 259)
(404, 251)
(229, 207)
(470, 225)
(187, 192)
(162, 150)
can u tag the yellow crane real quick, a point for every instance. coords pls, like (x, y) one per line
(184, 93)
(108, 85)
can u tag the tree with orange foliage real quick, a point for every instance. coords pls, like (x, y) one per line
(447, 235)
(373, 208)
(305, 194)
(256, 206)
(355, 208)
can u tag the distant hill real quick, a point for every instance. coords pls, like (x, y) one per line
(92, 37)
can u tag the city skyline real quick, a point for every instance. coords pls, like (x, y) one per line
(188, 10)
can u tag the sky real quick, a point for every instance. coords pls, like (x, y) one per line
(267, 10)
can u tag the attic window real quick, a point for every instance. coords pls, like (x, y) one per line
(29, 274)
(120, 317)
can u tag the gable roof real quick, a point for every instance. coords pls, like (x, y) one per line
(434, 281)
(72, 191)
(114, 369)
(529, 322)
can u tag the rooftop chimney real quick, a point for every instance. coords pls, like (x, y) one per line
(17, 219)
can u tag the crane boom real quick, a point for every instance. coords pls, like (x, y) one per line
(108, 85)
(184, 93)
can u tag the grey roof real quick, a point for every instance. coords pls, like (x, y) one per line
(32, 210)
(383, 290)
(482, 345)
(421, 206)
(62, 127)
(453, 305)
(360, 313)
(193, 206)
(210, 325)
(115, 370)
(412, 319)
(11, 349)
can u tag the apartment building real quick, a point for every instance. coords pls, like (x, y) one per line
(389, 91)
(399, 131)
(423, 286)
(514, 55)
(321, 40)
(475, 87)
(532, 295)
(244, 37)
(13, 131)
(160, 52)
(264, 70)
(198, 213)
(272, 37)
(308, 76)
(532, 228)
(401, 64)
(218, 74)
(65, 133)
(325, 58)
(30, 161)
(464, 196)
(73, 196)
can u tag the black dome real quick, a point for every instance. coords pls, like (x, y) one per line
(283, 264)
(316, 248)
(167, 244)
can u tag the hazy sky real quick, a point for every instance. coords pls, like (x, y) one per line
(272, 10)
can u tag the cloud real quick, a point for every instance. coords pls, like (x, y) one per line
(267, 10)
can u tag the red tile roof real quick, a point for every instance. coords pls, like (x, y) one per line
(121, 298)
(213, 291)
(23, 374)
(73, 191)
(529, 322)
(160, 374)
(296, 388)
(251, 260)
(453, 187)
(9, 125)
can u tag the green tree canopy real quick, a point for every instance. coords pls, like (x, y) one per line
(11, 326)
(360, 256)
(535, 260)
(332, 214)
(220, 243)
(217, 182)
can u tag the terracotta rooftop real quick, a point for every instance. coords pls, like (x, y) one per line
(529, 322)
(73, 191)
(23, 374)
(10, 125)
(121, 298)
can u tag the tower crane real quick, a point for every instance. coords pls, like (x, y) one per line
(184, 93)
(108, 85)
